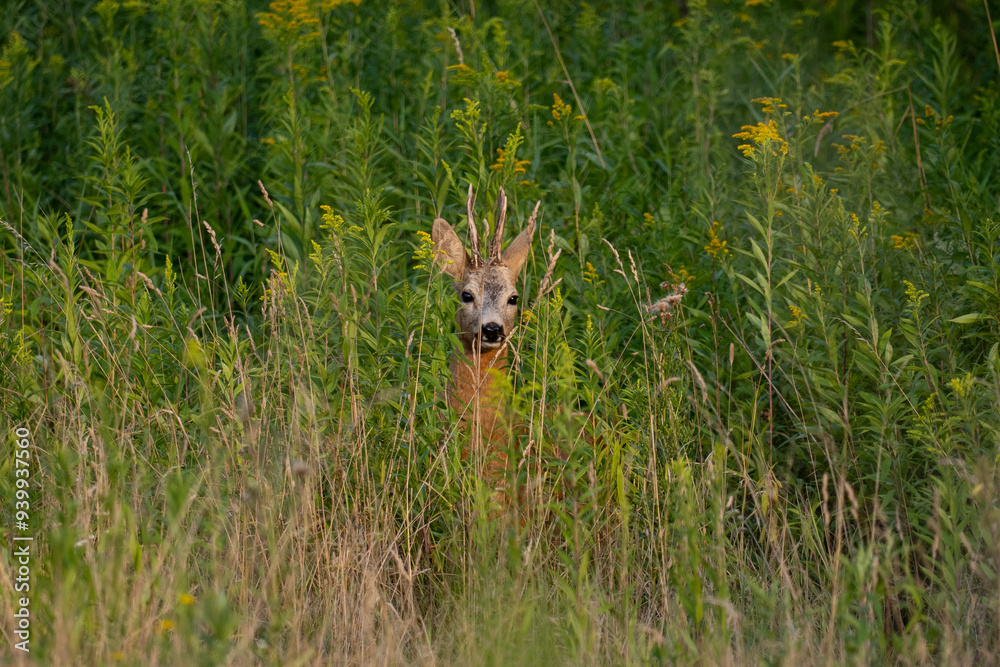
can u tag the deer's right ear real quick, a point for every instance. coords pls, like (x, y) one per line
(448, 249)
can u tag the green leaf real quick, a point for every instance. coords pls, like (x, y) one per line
(968, 318)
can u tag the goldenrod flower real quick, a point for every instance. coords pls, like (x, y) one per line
(798, 316)
(856, 230)
(681, 277)
(963, 385)
(425, 251)
(331, 221)
(590, 275)
(560, 110)
(289, 21)
(823, 115)
(908, 241)
(762, 135)
(716, 247)
(519, 166)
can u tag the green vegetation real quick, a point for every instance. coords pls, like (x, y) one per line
(777, 304)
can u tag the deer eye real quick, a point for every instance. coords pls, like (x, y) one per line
(467, 298)
(512, 300)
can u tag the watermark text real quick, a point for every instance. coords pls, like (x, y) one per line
(22, 539)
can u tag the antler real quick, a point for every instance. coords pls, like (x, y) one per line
(495, 246)
(477, 256)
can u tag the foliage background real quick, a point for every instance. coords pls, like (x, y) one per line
(757, 372)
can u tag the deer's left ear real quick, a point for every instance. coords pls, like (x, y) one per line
(517, 251)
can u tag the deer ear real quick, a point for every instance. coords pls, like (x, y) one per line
(517, 251)
(448, 249)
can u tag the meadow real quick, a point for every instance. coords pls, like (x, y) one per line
(767, 272)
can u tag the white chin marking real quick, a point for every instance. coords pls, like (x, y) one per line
(487, 345)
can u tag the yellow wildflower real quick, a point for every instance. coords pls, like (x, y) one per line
(186, 599)
(908, 241)
(331, 221)
(681, 277)
(963, 385)
(289, 21)
(716, 247)
(913, 295)
(556, 300)
(761, 134)
(856, 230)
(590, 276)
(823, 115)
(520, 166)
(425, 251)
(797, 315)
(560, 109)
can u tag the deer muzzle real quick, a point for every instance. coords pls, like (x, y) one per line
(491, 333)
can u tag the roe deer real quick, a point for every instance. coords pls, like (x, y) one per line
(485, 319)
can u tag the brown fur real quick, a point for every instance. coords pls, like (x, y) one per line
(486, 289)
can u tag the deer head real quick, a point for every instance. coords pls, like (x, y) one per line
(486, 287)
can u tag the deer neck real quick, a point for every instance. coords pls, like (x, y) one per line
(486, 359)
(474, 375)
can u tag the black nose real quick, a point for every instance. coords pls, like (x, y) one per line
(492, 332)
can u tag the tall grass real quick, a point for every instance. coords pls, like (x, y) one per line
(756, 376)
